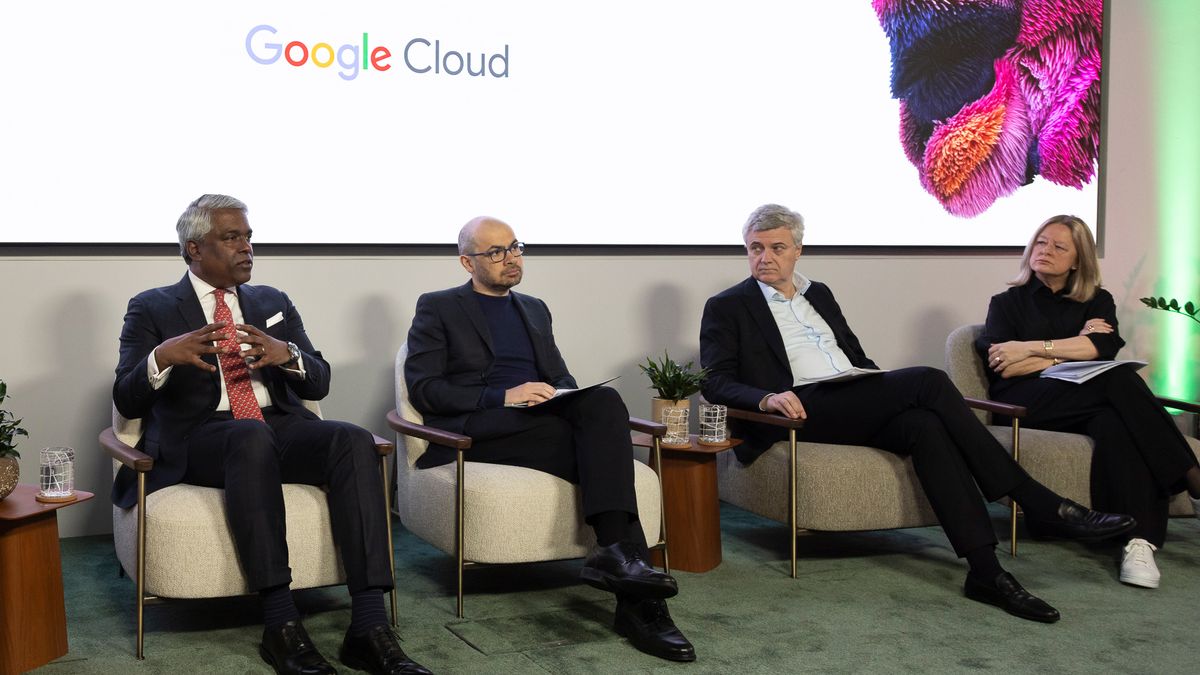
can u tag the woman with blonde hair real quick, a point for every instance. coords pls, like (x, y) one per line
(1056, 311)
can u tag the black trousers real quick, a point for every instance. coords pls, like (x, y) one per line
(582, 438)
(1140, 456)
(918, 412)
(252, 460)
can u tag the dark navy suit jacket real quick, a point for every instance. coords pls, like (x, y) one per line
(190, 396)
(742, 348)
(450, 354)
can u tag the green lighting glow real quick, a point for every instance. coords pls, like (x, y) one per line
(1176, 25)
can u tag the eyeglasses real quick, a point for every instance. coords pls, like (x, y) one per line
(499, 253)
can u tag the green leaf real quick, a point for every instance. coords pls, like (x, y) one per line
(1149, 302)
(1190, 308)
(1174, 304)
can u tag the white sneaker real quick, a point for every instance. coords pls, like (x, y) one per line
(1138, 568)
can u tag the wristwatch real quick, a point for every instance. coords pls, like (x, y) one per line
(294, 351)
(1048, 345)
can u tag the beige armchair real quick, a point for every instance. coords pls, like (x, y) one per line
(175, 543)
(825, 487)
(1060, 461)
(491, 513)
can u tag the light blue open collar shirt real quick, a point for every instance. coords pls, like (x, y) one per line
(812, 350)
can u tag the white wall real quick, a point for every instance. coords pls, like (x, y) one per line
(610, 311)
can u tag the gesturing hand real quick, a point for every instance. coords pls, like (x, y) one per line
(786, 404)
(531, 393)
(186, 349)
(266, 350)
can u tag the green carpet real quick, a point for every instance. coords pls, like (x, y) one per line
(883, 602)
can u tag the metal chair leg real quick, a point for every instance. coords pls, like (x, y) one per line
(141, 561)
(387, 511)
(1016, 444)
(792, 494)
(459, 508)
(662, 505)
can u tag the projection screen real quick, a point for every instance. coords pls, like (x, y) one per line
(621, 123)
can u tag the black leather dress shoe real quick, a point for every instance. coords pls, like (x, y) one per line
(1074, 521)
(1008, 595)
(649, 627)
(290, 651)
(378, 651)
(622, 569)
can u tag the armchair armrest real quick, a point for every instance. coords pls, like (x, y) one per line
(996, 407)
(131, 457)
(383, 447)
(1186, 406)
(447, 438)
(765, 418)
(647, 427)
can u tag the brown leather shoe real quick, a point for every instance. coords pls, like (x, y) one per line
(290, 651)
(378, 652)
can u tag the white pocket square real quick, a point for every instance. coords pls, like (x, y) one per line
(275, 319)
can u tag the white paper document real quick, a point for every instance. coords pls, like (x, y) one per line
(851, 374)
(1082, 371)
(559, 393)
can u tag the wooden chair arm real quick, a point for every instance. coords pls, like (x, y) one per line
(1186, 406)
(447, 438)
(131, 457)
(383, 446)
(765, 418)
(996, 407)
(647, 427)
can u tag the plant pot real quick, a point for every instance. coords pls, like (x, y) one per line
(10, 471)
(657, 405)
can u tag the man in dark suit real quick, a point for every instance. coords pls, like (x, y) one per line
(217, 369)
(768, 343)
(482, 362)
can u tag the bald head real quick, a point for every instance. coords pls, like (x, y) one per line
(481, 227)
(488, 250)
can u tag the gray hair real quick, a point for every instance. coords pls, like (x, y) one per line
(773, 217)
(196, 220)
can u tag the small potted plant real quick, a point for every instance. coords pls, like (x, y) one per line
(10, 428)
(673, 382)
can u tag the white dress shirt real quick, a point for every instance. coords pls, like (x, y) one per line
(812, 350)
(208, 304)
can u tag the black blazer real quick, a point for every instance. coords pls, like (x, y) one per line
(190, 395)
(450, 354)
(742, 348)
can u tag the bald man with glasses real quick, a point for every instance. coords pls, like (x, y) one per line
(482, 362)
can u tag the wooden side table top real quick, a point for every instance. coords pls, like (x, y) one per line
(647, 441)
(21, 503)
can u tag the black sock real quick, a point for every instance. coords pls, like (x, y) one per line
(1037, 500)
(984, 565)
(610, 526)
(278, 606)
(366, 610)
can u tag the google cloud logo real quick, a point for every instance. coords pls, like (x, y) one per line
(420, 56)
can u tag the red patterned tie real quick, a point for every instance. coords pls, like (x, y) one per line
(237, 376)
